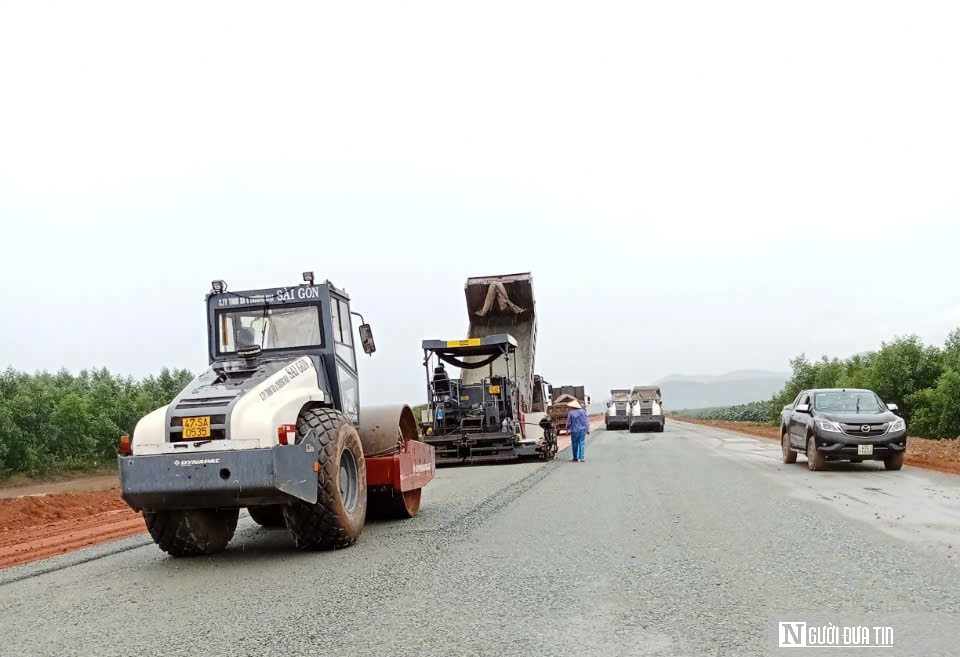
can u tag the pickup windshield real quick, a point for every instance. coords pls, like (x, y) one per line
(848, 402)
(272, 328)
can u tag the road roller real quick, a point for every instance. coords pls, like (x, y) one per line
(274, 426)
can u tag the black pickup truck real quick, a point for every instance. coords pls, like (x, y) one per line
(842, 425)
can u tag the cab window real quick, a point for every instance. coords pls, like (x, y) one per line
(342, 331)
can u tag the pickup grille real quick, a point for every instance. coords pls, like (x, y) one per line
(857, 430)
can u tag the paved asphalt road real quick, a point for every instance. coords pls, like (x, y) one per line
(681, 543)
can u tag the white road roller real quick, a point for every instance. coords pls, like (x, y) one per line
(275, 426)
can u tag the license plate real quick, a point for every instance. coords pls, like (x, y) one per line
(196, 427)
(865, 450)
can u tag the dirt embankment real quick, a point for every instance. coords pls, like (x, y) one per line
(40, 526)
(940, 455)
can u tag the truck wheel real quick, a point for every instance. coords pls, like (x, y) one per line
(191, 532)
(394, 504)
(815, 458)
(268, 516)
(893, 461)
(337, 518)
(789, 456)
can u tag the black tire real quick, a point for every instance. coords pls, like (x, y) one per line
(893, 461)
(270, 516)
(789, 456)
(191, 532)
(660, 428)
(337, 519)
(815, 459)
(606, 425)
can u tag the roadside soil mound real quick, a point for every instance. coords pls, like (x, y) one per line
(40, 526)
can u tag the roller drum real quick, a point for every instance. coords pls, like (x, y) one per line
(383, 428)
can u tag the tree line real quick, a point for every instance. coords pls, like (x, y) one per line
(52, 423)
(923, 380)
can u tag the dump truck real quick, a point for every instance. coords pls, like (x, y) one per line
(646, 410)
(559, 409)
(496, 409)
(275, 426)
(618, 409)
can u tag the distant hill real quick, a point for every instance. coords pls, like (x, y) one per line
(740, 387)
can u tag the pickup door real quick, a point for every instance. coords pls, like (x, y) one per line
(799, 421)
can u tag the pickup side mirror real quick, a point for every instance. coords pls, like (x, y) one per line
(893, 407)
(366, 339)
(802, 408)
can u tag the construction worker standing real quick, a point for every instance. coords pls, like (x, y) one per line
(579, 425)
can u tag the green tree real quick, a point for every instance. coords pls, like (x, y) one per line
(903, 367)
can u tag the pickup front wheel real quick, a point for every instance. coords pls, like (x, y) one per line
(789, 456)
(815, 458)
(893, 461)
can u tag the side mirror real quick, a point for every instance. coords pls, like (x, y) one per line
(802, 408)
(366, 339)
(893, 407)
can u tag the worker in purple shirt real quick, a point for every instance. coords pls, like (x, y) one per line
(579, 425)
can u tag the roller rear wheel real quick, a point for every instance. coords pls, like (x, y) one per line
(191, 532)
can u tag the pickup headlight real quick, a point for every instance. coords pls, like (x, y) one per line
(828, 425)
(897, 425)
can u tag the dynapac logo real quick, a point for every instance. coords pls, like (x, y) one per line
(187, 462)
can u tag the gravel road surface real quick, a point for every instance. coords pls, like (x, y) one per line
(680, 543)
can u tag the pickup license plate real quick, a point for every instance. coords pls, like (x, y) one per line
(196, 427)
(865, 450)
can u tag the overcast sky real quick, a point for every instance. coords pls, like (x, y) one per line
(696, 187)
